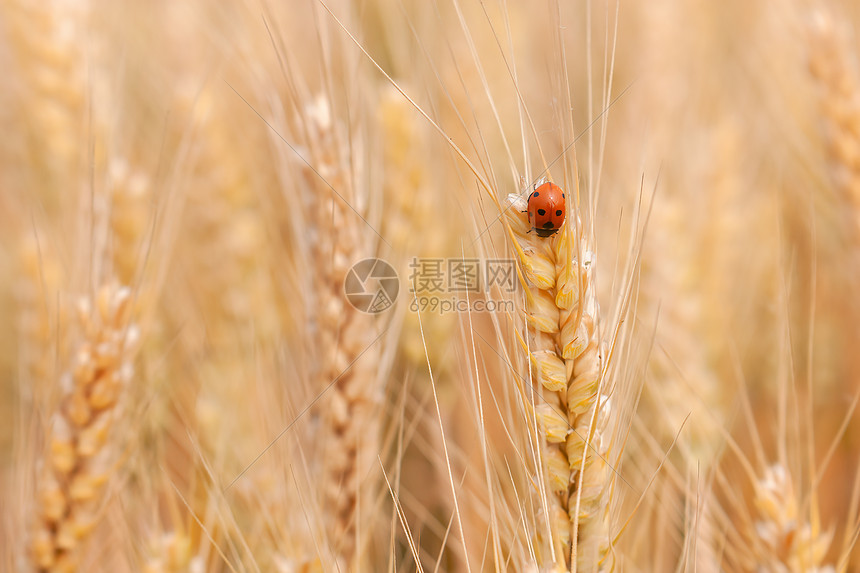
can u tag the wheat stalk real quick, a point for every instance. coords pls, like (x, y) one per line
(687, 398)
(417, 224)
(79, 459)
(567, 360)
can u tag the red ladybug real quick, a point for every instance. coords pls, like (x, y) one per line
(546, 209)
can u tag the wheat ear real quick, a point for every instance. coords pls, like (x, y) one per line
(79, 459)
(348, 366)
(39, 278)
(46, 38)
(834, 67)
(130, 196)
(171, 553)
(792, 544)
(567, 358)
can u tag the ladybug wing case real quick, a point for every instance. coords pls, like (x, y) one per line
(546, 209)
(546, 214)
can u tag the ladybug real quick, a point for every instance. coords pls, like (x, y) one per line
(546, 209)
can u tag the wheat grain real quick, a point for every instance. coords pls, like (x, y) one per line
(38, 282)
(79, 458)
(130, 197)
(47, 42)
(792, 544)
(834, 67)
(171, 553)
(348, 356)
(567, 360)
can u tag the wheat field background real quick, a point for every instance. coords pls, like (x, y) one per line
(665, 384)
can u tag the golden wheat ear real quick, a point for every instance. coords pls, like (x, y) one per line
(80, 459)
(567, 361)
(790, 542)
(348, 369)
(834, 67)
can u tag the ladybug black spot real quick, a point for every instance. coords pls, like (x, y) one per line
(558, 213)
(541, 212)
(547, 225)
(562, 195)
(536, 194)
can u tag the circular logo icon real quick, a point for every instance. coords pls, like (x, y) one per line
(371, 286)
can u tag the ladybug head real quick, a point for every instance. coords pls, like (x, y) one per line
(547, 232)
